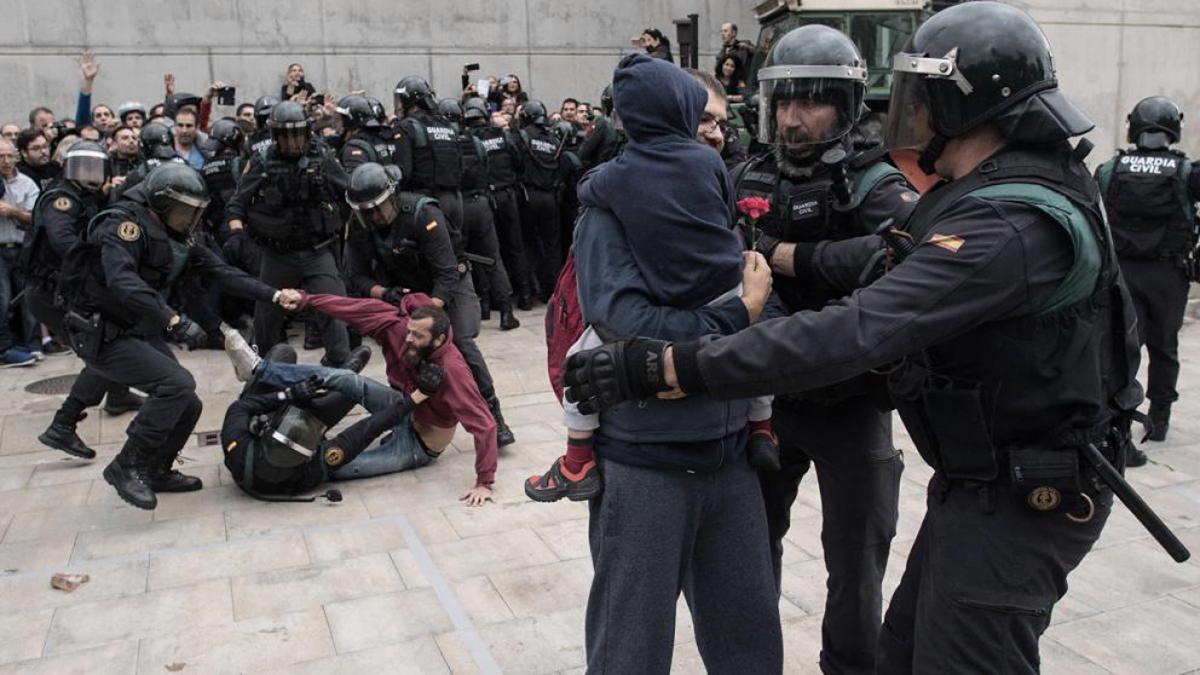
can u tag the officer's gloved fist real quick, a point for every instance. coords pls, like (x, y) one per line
(618, 371)
(429, 378)
(393, 296)
(305, 390)
(187, 332)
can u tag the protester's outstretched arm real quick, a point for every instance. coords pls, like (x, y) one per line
(88, 69)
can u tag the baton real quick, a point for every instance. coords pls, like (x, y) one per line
(480, 260)
(1134, 502)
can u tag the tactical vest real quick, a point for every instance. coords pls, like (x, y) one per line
(1146, 195)
(395, 251)
(502, 170)
(436, 159)
(474, 156)
(221, 175)
(542, 169)
(121, 167)
(384, 150)
(1017, 397)
(294, 206)
(260, 142)
(38, 260)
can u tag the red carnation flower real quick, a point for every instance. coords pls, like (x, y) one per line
(753, 207)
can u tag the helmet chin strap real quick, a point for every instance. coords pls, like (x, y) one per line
(930, 154)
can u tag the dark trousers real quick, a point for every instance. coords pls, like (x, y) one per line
(512, 244)
(89, 388)
(313, 271)
(491, 280)
(451, 204)
(654, 533)
(982, 578)
(169, 415)
(540, 223)
(463, 309)
(1159, 289)
(11, 284)
(858, 473)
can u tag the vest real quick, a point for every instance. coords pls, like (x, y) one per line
(436, 158)
(1146, 196)
(396, 255)
(542, 169)
(294, 206)
(502, 170)
(38, 260)
(474, 161)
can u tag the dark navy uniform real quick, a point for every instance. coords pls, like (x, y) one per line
(433, 161)
(503, 169)
(542, 178)
(492, 282)
(292, 210)
(367, 146)
(841, 429)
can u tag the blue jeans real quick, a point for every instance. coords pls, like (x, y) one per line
(10, 285)
(400, 450)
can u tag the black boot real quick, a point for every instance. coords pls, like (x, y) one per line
(524, 301)
(485, 310)
(508, 320)
(127, 473)
(121, 401)
(312, 335)
(62, 436)
(359, 356)
(1160, 421)
(161, 476)
(504, 435)
(1134, 457)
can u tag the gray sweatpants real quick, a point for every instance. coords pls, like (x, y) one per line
(654, 533)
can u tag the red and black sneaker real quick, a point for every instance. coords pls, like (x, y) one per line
(560, 482)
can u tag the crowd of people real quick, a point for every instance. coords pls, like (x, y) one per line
(784, 303)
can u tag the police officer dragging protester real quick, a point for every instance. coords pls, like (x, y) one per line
(288, 203)
(487, 268)
(1006, 337)
(400, 243)
(362, 141)
(503, 168)
(825, 183)
(1150, 193)
(60, 216)
(541, 180)
(138, 256)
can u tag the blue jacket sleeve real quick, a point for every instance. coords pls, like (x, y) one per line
(613, 292)
(83, 110)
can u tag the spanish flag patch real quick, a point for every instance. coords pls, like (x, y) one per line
(950, 242)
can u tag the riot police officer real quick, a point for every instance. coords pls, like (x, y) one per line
(288, 202)
(569, 141)
(1004, 333)
(400, 242)
(814, 75)
(261, 139)
(362, 141)
(491, 280)
(221, 173)
(541, 181)
(503, 168)
(606, 139)
(1150, 193)
(427, 148)
(157, 144)
(138, 257)
(60, 216)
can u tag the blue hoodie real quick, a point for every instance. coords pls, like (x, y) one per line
(654, 245)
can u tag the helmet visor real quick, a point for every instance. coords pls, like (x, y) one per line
(808, 105)
(297, 437)
(89, 168)
(909, 125)
(292, 139)
(185, 212)
(377, 212)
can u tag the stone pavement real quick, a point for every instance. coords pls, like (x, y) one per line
(401, 577)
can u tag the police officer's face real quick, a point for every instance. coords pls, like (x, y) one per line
(182, 218)
(292, 142)
(801, 122)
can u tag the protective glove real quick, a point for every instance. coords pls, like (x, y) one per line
(393, 296)
(187, 332)
(429, 378)
(765, 244)
(305, 390)
(621, 370)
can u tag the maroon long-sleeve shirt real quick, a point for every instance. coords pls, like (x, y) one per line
(458, 399)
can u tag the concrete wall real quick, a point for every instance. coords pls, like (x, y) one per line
(1110, 53)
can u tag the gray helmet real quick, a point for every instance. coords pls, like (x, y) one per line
(475, 110)
(372, 196)
(291, 128)
(157, 141)
(130, 107)
(1155, 123)
(86, 163)
(262, 109)
(292, 437)
(355, 111)
(177, 194)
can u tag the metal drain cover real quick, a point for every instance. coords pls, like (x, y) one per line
(60, 384)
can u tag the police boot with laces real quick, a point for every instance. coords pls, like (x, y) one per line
(1160, 421)
(504, 435)
(61, 435)
(161, 476)
(127, 474)
(122, 401)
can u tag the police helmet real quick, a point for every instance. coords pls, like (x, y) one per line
(413, 91)
(563, 131)
(378, 111)
(291, 128)
(976, 63)
(228, 135)
(533, 112)
(177, 194)
(182, 99)
(475, 111)
(355, 111)
(131, 108)
(372, 196)
(606, 100)
(157, 141)
(86, 163)
(1155, 123)
(291, 437)
(451, 109)
(262, 109)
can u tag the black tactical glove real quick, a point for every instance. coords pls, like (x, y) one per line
(618, 371)
(187, 332)
(765, 244)
(305, 390)
(393, 296)
(429, 378)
